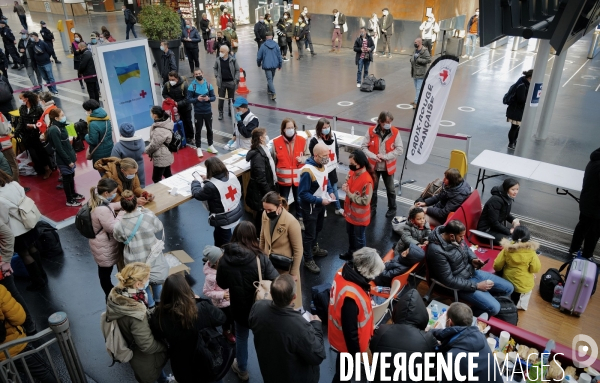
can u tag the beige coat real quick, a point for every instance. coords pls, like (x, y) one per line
(161, 133)
(286, 241)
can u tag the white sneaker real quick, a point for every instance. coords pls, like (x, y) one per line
(212, 149)
(358, 85)
(470, 57)
(339, 212)
(325, 213)
(464, 56)
(199, 152)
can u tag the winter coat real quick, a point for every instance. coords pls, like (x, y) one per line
(300, 31)
(260, 30)
(286, 344)
(386, 24)
(42, 53)
(269, 55)
(182, 341)
(407, 335)
(14, 193)
(197, 89)
(99, 125)
(58, 138)
(149, 355)
(141, 244)
(515, 110)
(127, 15)
(134, 148)
(27, 44)
(4, 165)
(495, 212)
(168, 64)
(518, 262)
(358, 48)
(459, 339)
(262, 179)
(105, 248)
(233, 67)
(589, 203)
(308, 185)
(111, 168)
(447, 201)
(211, 289)
(449, 264)
(208, 192)
(418, 66)
(411, 234)
(219, 42)
(332, 177)
(161, 133)
(12, 315)
(230, 35)
(205, 28)
(178, 93)
(237, 271)
(193, 35)
(28, 116)
(8, 38)
(87, 67)
(76, 54)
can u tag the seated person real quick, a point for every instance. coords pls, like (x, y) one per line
(496, 211)
(460, 336)
(131, 146)
(454, 192)
(407, 334)
(124, 172)
(518, 262)
(453, 263)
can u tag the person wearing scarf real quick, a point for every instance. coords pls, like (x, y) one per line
(262, 173)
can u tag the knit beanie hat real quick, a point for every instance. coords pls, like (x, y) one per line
(126, 129)
(213, 254)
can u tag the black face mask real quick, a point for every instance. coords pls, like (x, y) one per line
(199, 78)
(353, 167)
(416, 46)
(272, 215)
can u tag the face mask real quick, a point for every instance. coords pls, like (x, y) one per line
(416, 45)
(221, 54)
(111, 197)
(476, 13)
(162, 48)
(289, 133)
(22, 102)
(262, 20)
(267, 139)
(24, 37)
(326, 131)
(325, 161)
(387, 126)
(228, 28)
(63, 120)
(77, 39)
(353, 167)
(32, 39)
(272, 215)
(130, 176)
(285, 17)
(199, 78)
(94, 41)
(146, 284)
(172, 83)
(188, 27)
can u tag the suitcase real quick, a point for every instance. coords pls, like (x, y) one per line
(211, 46)
(454, 46)
(579, 286)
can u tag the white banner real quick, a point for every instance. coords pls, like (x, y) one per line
(431, 105)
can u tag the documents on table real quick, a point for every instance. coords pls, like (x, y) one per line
(180, 183)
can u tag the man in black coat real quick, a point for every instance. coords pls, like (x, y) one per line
(287, 344)
(87, 68)
(9, 44)
(168, 62)
(587, 230)
(25, 47)
(190, 38)
(260, 31)
(48, 38)
(176, 89)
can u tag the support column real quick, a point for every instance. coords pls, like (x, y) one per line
(539, 70)
(593, 43)
(516, 42)
(550, 96)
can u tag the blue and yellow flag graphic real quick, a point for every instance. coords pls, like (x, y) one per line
(127, 72)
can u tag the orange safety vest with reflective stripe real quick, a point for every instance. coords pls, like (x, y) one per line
(374, 141)
(356, 214)
(287, 168)
(340, 290)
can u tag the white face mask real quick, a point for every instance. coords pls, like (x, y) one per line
(221, 54)
(289, 133)
(387, 126)
(476, 13)
(285, 16)
(172, 83)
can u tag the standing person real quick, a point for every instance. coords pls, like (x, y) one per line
(222, 192)
(77, 54)
(20, 11)
(25, 47)
(269, 56)
(516, 107)
(167, 60)
(176, 90)
(200, 94)
(281, 239)
(161, 133)
(9, 45)
(262, 174)
(131, 146)
(496, 211)
(221, 41)
(359, 191)
(260, 31)
(315, 193)
(455, 191)
(130, 21)
(220, 298)
(300, 30)
(387, 30)
(231, 35)
(286, 343)
(42, 59)
(104, 247)
(269, 22)
(246, 123)
(282, 27)
(472, 35)
(99, 136)
(587, 230)
(225, 18)
(339, 20)
(87, 68)
(419, 61)
(227, 73)
(48, 38)
(30, 112)
(190, 38)
(374, 30)
(308, 39)
(205, 30)
(429, 30)
(364, 48)
(237, 270)
(383, 145)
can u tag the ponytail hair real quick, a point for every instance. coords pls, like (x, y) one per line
(128, 201)
(521, 234)
(132, 273)
(104, 185)
(158, 111)
(276, 199)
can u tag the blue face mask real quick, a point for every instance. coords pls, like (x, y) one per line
(111, 197)
(162, 48)
(188, 26)
(94, 41)
(326, 131)
(130, 176)
(63, 120)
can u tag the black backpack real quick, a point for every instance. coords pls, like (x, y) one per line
(368, 83)
(213, 356)
(508, 310)
(320, 298)
(5, 91)
(48, 242)
(379, 84)
(83, 222)
(175, 144)
(81, 128)
(510, 95)
(78, 145)
(549, 280)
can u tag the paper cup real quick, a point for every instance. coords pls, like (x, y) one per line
(512, 356)
(500, 358)
(492, 343)
(504, 338)
(584, 378)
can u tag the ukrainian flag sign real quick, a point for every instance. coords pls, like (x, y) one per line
(126, 72)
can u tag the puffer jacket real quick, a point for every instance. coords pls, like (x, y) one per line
(149, 355)
(13, 316)
(105, 248)
(447, 201)
(161, 134)
(418, 66)
(237, 271)
(132, 147)
(262, 177)
(178, 93)
(58, 137)
(111, 167)
(411, 234)
(13, 192)
(496, 211)
(449, 264)
(515, 110)
(141, 244)
(519, 262)
(99, 124)
(211, 289)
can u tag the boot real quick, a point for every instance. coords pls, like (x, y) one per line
(37, 282)
(220, 115)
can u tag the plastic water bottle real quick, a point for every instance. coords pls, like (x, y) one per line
(434, 312)
(546, 354)
(352, 130)
(558, 292)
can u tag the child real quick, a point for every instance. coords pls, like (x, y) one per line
(218, 296)
(518, 262)
(410, 249)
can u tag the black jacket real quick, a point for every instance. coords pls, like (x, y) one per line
(178, 93)
(31, 117)
(516, 108)
(237, 271)
(589, 201)
(42, 53)
(128, 15)
(286, 344)
(449, 264)
(7, 37)
(262, 179)
(407, 335)
(495, 212)
(260, 31)
(332, 176)
(447, 201)
(194, 35)
(87, 66)
(209, 193)
(358, 48)
(350, 309)
(29, 48)
(47, 35)
(168, 64)
(182, 341)
(205, 28)
(459, 339)
(220, 42)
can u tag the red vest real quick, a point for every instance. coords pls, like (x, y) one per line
(356, 214)
(287, 167)
(375, 139)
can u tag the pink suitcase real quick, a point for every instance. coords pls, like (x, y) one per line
(578, 287)
(211, 45)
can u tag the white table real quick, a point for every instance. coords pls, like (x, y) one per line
(565, 179)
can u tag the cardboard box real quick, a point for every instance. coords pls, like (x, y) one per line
(184, 258)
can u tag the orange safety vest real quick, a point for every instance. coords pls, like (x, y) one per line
(288, 168)
(356, 214)
(340, 290)
(374, 140)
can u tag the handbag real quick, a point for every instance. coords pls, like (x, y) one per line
(159, 267)
(234, 43)
(281, 262)
(263, 287)
(89, 154)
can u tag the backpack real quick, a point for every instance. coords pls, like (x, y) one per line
(83, 222)
(320, 300)
(379, 84)
(5, 91)
(116, 345)
(175, 143)
(81, 128)
(132, 18)
(433, 188)
(368, 83)
(28, 213)
(48, 242)
(508, 310)
(549, 280)
(212, 356)
(78, 145)
(510, 95)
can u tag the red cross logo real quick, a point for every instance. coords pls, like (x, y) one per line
(325, 184)
(231, 193)
(331, 155)
(143, 93)
(444, 75)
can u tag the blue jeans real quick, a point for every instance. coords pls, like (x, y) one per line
(418, 85)
(470, 43)
(362, 64)
(337, 197)
(270, 73)
(152, 298)
(357, 238)
(23, 20)
(46, 72)
(484, 300)
(130, 28)
(241, 346)
(221, 236)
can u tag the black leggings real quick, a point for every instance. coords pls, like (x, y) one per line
(69, 186)
(513, 134)
(104, 274)
(228, 325)
(158, 173)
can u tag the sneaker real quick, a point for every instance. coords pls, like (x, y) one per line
(339, 211)
(212, 149)
(301, 222)
(230, 145)
(464, 56)
(55, 92)
(390, 213)
(83, 87)
(60, 186)
(332, 50)
(243, 375)
(313, 54)
(78, 197)
(470, 57)
(171, 378)
(199, 153)
(73, 203)
(220, 115)
(390, 56)
(318, 252)
(312, 267)
(286, 59)
(230, 337)
(308, 49)
(14, 67)
(325, 215)
(273, 96)
(358, 84)
(511, 146)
